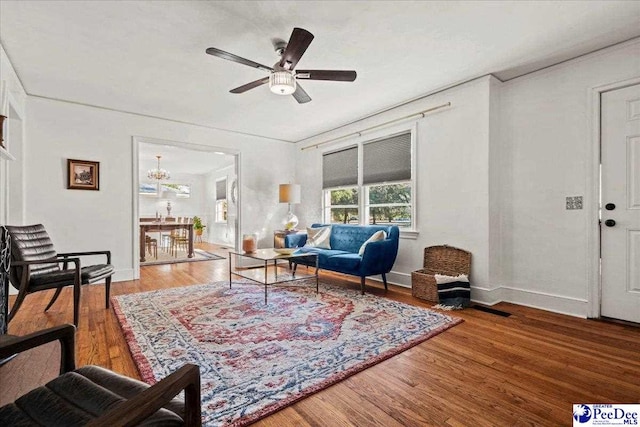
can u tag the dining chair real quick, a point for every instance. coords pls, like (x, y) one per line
(152, 246)
(36, 266)
(179, 240)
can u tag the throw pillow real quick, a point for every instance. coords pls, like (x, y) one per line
(319, 237)
(454, 292)
(375, 237)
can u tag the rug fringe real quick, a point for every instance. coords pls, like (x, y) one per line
(448, 307)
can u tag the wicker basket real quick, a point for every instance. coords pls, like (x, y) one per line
(443, 259)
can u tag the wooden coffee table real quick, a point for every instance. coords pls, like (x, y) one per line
(260, 272)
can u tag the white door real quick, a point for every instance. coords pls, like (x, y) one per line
(620, 214)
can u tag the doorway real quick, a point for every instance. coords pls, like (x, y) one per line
(620, 203)
(189, 191)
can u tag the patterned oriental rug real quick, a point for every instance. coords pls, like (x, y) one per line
(256, 359)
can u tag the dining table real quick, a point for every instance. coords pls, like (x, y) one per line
(160, 226)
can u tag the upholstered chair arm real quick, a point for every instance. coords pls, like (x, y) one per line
(145, 404)
(26, 270)
(295, 240)
(379, 257)
(77, 254)
(10, 345)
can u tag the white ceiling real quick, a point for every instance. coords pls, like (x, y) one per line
(149, 57)
(180, 160)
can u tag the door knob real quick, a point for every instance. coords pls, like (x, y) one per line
(610, 206)
(610, 223)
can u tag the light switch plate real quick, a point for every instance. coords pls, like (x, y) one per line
(574, 202)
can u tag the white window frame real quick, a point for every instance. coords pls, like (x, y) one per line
(363, 195)
(327, 206)
(222, 205)
(367, 205)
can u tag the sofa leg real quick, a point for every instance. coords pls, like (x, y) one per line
(362, 285)
(384, 280)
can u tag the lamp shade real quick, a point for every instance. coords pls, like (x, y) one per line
(289, 193)
(282, 82)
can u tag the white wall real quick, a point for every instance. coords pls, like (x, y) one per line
(547, 155)
(452, 177)
(12, 171)
(85, 220)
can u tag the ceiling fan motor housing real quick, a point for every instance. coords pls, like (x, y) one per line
(280, 46)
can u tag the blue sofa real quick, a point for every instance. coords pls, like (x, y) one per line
(345, 242)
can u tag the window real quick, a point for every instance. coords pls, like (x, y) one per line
(390, 204)
(181, 190)
(151, 189)
(221, 200)
(342, 205)
(386, 176)
(339, 181)
(381, 194)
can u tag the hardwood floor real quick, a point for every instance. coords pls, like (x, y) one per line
(526, 369)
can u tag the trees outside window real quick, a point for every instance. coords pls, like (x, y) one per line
(342, 206)
(390, 204)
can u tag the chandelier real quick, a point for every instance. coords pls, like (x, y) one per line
(157, 173)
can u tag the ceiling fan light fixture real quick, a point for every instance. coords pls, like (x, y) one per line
(282, 83)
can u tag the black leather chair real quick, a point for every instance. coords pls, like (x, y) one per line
(96, 396)
(35, 266)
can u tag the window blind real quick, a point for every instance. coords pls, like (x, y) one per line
(387, 160)
(340, 168)
(221, 190)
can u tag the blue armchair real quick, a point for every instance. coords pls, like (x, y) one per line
(345, 242)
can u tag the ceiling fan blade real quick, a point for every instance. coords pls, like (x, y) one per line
(235, 58)
(298, 43)
(335, 75)
(300, 95)
(249, 86)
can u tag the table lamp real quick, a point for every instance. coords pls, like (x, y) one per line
(290, 193)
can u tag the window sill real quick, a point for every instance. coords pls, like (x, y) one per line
(409, 234)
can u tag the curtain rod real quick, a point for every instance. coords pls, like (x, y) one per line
(421, 113)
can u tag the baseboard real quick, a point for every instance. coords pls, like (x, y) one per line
(486, 296)
(546, 301)
(534, 299)
(395, 278)
(123, 275)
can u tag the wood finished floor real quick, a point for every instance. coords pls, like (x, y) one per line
(524, 370)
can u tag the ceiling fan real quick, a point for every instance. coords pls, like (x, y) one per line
(282, 77)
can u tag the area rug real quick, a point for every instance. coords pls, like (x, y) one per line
(181, 256)
(257, 358)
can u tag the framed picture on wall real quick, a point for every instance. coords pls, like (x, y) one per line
(148, 189)
(83, 175)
